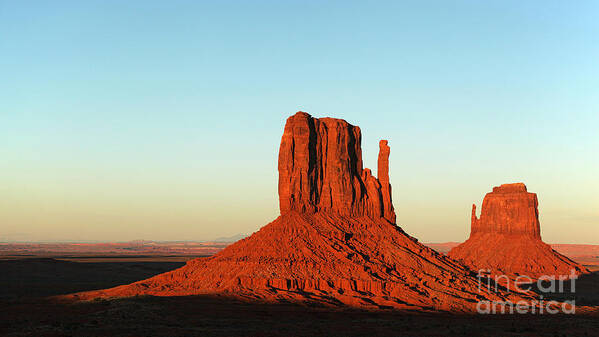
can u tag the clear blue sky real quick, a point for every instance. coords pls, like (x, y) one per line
(161, 120)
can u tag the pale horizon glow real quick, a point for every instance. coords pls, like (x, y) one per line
(148, 120)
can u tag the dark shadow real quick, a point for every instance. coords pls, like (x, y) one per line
(584, 290)
(22, 313)
(40, 277)
(222, 316)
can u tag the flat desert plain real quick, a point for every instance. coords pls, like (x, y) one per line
(32, 274)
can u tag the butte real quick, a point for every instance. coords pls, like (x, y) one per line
(506, 239)
(334, 244)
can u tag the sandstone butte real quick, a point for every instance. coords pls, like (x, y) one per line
(335, 243)
(506, 239)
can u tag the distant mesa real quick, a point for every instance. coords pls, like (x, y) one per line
(336, 242)
(506, 239)
(228, 239)
(508, 210)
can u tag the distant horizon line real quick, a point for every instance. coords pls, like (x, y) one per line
(220, 240)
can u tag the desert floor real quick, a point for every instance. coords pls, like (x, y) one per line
(26, 282)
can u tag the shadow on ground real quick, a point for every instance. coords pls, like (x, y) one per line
(23, 311)
(213, 316)
(584, 290)
(40, 277)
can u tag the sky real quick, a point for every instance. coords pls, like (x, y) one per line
(161, 120)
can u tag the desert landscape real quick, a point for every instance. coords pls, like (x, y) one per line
(299, 168)
(28, 281)
(335, 262)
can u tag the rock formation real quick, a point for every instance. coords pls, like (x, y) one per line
(506, 239)
(335, 243)
(320, 169)
(383, 175)
(508, 210)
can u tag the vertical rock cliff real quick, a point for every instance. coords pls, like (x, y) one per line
(510, 210)
(320, 169)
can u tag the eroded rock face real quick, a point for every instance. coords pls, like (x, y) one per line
(506, 239)
(511, 210)
(320, 169)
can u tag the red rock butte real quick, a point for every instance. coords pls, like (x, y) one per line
(320, 169)
(506, 239)
(335, 243)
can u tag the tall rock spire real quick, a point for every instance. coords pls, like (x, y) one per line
(474, 220)
(383, 176)
(320, 169)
